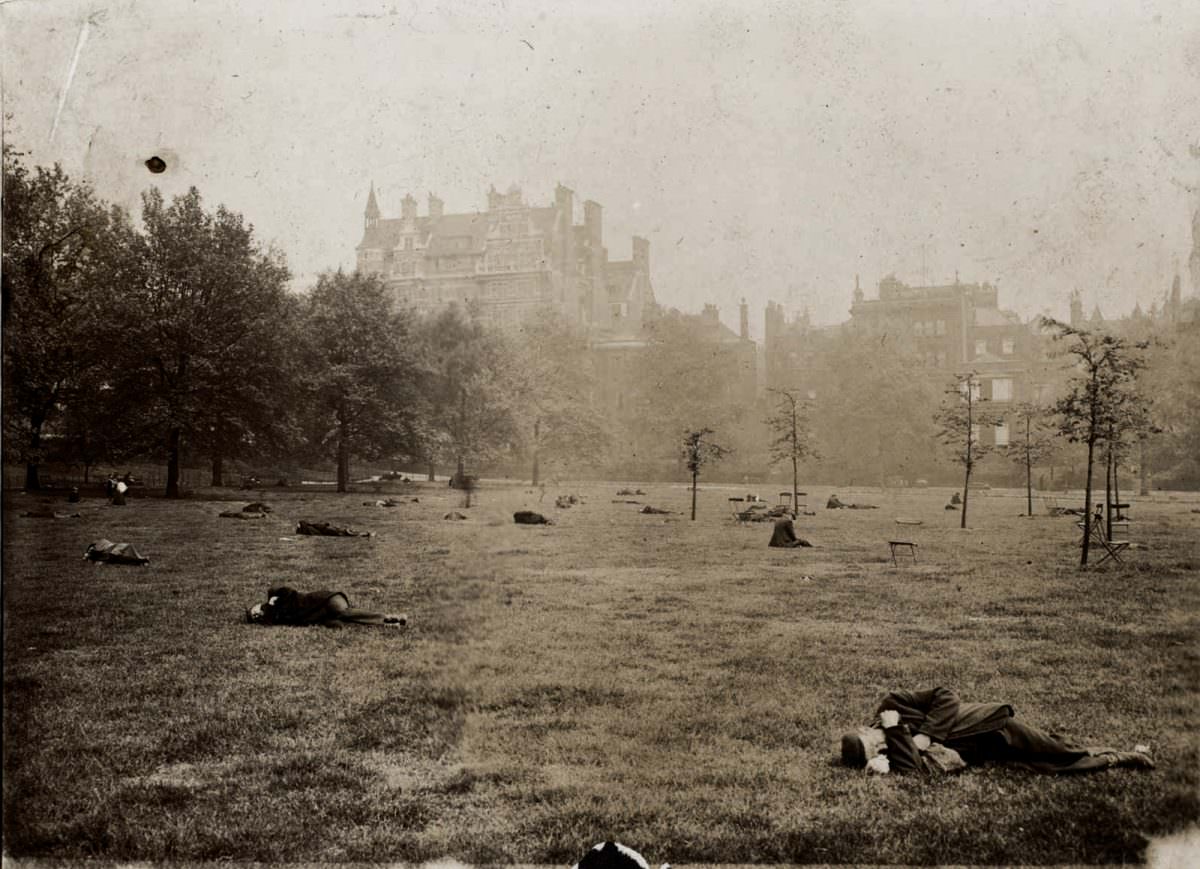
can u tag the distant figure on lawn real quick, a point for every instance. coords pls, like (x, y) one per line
(932, 731)
(835, 504)
(529, 517)
(106, 552)
(324, 529)
(286, 606)
(614, 855)
(784, 535)
(119, 490)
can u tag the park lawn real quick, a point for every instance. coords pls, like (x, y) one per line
(674, 685)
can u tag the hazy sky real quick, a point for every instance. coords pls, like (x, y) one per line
(770, 150)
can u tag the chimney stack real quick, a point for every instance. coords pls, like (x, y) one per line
(593, 218)
(408, 207)
(435, 206)
(745, 325)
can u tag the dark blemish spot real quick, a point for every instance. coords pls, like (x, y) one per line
(156, 165)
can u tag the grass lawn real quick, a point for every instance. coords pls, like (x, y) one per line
(675, 685)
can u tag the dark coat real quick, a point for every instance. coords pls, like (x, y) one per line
(292, 607)
(938, 713)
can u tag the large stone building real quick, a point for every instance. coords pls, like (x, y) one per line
(951, 328)
(508, 261)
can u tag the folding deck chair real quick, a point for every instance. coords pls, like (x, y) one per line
(1112, 548)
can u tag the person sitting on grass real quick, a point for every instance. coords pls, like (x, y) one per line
(784, 535)
(286, 606)
(932, 731)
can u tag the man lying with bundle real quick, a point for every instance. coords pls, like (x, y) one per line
(286, 606)
(932, 731)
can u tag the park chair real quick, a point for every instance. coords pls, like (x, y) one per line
(893, 545)
(1112, 548)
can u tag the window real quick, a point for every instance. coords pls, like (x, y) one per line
(941, 327)
(1002, 389)
(1007, 346)
(1001, 434)
(981, 346)
(919, 329)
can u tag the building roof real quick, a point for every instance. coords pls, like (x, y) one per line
(995, 317)
(437, 231)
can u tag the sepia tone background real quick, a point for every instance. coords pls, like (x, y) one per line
(767, 150)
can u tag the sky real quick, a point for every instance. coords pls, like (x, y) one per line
(768, 150)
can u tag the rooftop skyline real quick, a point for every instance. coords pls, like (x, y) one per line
(767, 150)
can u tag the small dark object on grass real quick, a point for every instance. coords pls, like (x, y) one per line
(455, 515)
(241, 514)
(107, 552)
(73, 496)
(656, 510)
(613, 855)
(784, 535)
(565, 501)
(386, 502)
(286, 606)
(955, 499)
(325, 529)
(949, 507)
(624, 501)
(630, 492)
(528, 517)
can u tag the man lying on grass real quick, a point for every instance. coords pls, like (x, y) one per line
(286, 606)
(932, 731)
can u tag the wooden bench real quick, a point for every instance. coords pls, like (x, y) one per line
(896, 544)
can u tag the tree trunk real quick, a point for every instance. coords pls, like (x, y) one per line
(1116, 492)
(218, 470)
(1144, 470)
(966, 493)
(1087, 504)
(174, 438)
(695, 475)
(537, 425)
(1108, 487)
(32, 482)
(795, 488)
(1028, 486)
(432, 471)
(343, 460)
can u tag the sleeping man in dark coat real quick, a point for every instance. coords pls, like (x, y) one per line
(933, 731)
(286, 606)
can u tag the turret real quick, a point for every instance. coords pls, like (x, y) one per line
(436, 207)
(408, 207)
(371, 215)
(1076, 308)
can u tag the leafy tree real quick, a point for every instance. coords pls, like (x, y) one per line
(792, 442)
(1089, 411)
(700, 450)
(64, 255)
(960, 420)
(879, 419)
(468, 390)
(686, 377)
(1173, 378)
(1034, 444)
(554, 387)
(197, 342)
(360, 378)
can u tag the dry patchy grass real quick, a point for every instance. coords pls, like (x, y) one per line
(676, 685)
